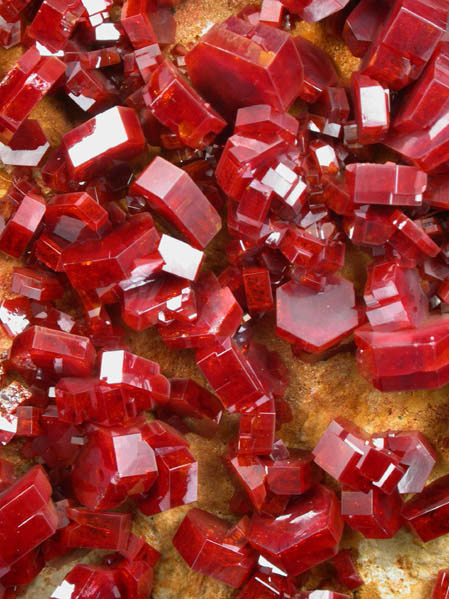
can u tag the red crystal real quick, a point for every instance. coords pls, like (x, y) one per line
(166, 187)
(257, 428)
(179, 107)
(268, 586)
(395, 59)
(21, 89)
(27, 147)
(179, 258)
(54, 23)
(347, 572)
(306, 534)
(21, 227)
(362, 24)
(426, 101)
(426, 512)
(259, 296)
(422, 363)
(159, 301)
(79, 205)
(386, 184)
(10, 10)
(97, 530)
(219, 316)
(374, 514)
(230, 374)
(176, 484)
(394, 297)
(37, 285)
(256, 65)
(293, 475)
(203, 542)
(114, 463)
(314, 10)
(24, 570)
(319, 70)
(139, 379)
(136, 22)
(441, 587)
(90, 90)
(98, 263)
(56, 352)
(27, 516)
(262, 121)
(89, 582)
(112, 135)
(316, 321)
(371, 107)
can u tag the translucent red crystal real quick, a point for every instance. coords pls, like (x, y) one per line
(111, 135)
(27, 514)
(316, 321)
(89, 582)
(426, 511)
(306, 534)
(373, 513)
(27, 147)
(96, 530)
(179, 107)
(371, 107)
(136, 22)
(441, 587)
(203, 542)
(394, 297)
(20, 228)
(347, 572)
(166, 187)
(257, 65)
(362, 24)
(54, 23)
(319, 70)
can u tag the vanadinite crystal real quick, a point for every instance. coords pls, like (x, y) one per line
(426, 512)
(441, 586)
(235, 64)
(204, 543)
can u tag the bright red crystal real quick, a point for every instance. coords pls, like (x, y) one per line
(347, 572)
(138, 379)
(416, 455)
(235, 64)
(316, 321)
(270, 585)
(319, 70)
(176, 484)
(97, 530)
(202, 541)
(27, 147)
(27, 516)
(271, 12)
(426, 512)
(170, 191)
(135, 20)
(292, 475)
(250, 474)
(397, 60)
(159, 301)
(314, 10)
(371, 107)
(20, 228)
(219, 316)
(199, 408)
(89, 582)
(373, 513)
(24, 570)
(56, 352)
(90, 90)
(113, 134)
(79, 205)
(37, 285)
(362, 24)
(339, 451)
(257, 428)
(426, 101)
(98, 263)
(386, 184)
(306, 534)
(394, 297)
(423, 364)
(179, 107)
(230, 374)
(21, 89)
(10, 10)
(441, 587)
(54, 22)
(114, 463)
(262, 121)
(257, 283)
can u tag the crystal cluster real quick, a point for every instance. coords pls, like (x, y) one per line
(125, 225)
